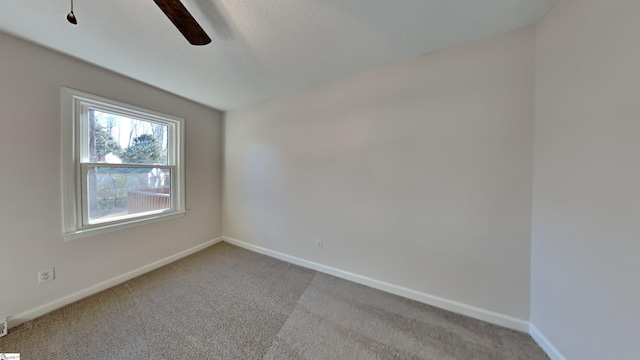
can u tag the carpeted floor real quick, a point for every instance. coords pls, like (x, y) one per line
(229, 303)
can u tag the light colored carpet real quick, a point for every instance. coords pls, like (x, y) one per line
(229, 303)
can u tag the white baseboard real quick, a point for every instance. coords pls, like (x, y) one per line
(454, 306)
(56, 304)
(545, 344)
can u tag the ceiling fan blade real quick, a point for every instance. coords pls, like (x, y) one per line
(182, 19)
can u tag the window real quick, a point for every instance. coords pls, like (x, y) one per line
(122, 165)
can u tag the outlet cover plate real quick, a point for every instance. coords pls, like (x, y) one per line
(4, 328)
(46, 276)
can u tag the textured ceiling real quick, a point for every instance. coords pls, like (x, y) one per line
(261, 49)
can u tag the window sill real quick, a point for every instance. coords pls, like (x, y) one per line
(106, 228)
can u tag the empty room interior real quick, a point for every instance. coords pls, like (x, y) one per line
(224, 179)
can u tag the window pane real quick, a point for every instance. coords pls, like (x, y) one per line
(124, 192)
(116, 139)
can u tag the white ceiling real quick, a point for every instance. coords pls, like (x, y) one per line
(261, 49)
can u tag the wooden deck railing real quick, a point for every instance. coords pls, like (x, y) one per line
(148, 199)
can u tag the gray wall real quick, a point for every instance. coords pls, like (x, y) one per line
(30, 198)
(417, 174)
(586, 203)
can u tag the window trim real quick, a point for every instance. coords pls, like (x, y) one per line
(73, 104)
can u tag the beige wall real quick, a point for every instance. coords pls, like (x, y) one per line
(586, 207)
(30, 199)
(417, 173)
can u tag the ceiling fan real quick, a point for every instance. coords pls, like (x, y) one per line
(182, 19)
(179, 16)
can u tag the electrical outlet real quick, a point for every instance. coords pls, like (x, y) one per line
(319, 244)
(46, 276)
(4, 328)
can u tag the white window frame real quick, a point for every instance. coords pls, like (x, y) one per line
(74, 107)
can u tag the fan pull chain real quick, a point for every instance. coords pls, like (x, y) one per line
(71, 17)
